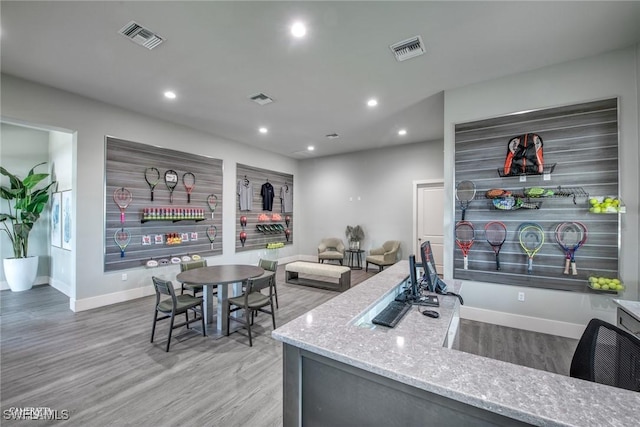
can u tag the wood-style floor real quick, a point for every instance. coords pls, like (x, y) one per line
(100, 366)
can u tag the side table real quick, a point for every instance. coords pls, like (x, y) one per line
(354, 258)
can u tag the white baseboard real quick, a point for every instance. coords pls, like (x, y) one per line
(108, 299)
(63, 287)
(527, 323)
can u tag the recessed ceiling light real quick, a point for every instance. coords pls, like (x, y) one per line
(311, 148)
(170, 94)
(372, 102)
(402, 132)
(298, 30)
(263, 130)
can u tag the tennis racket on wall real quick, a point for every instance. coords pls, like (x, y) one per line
(571, 236)
(531, 237)
(496, 233)
(465, 192)
(212, 202)
(171, 179)
(123, 198)
(465, 233)
(152, 176)
(122, 238)
(212, 231)
(189, 182)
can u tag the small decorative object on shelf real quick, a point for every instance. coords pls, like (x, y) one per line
(276, 217)
(173, 238)
(275, 245)
(172, 214)
(604, 284)
(264, 217)
(606, 205)
(287, 233)
(243, 221)
(243, 237)
(287, 220)
(355, 235)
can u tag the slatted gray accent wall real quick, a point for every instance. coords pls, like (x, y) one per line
(125, 167)
(255, 238)
(582, 141)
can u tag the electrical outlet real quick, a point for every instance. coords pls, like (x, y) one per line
(520, 296)
(124, 276)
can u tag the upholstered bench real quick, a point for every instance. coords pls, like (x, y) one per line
(343, 274)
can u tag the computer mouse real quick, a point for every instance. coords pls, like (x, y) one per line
(431, 313)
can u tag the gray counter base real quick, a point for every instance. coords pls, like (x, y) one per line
(336, 394)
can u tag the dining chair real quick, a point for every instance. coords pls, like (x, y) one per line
(252, 301)
(194, 288)
(606, 354)
(175, 305)
(270, 268)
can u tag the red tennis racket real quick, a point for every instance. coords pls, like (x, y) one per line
(571, 236)
(465, 234)
(122, 238)
(171, 179)
(189, 182)
(496, 233)
(122, 197)
(212, 231)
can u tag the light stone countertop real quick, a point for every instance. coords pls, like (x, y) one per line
(413, 353)
(631, 307)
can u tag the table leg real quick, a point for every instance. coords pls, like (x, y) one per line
(222, 314)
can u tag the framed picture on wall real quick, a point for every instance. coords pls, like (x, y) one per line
(56, 212)
(66, 220)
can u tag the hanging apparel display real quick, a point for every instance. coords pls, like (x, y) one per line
(245, 193)
(286, 198)
(268, 193)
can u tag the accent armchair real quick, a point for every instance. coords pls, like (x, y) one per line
(331, 249)
(383, 256)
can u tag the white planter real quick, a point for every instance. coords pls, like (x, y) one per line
(21, 272)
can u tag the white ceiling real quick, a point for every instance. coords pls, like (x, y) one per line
(217, 54)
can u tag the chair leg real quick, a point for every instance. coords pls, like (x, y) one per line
(170, 330)
(186, 315)
(153, 328)
(273, 315)
(204, 332)
(275, 292)
(366, 268)
(228, 317)
(248, 314)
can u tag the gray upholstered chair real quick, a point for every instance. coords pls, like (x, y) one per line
(194, 288)
(331, 249)
(270, 268)
(251, 301)
(383, 256)
(175, 305)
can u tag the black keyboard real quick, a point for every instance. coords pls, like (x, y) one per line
(392, 313)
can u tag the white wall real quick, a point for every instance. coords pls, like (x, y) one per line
(611, 74)
(21, 149)
(24, 101)
(372, 188)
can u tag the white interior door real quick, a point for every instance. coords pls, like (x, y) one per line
(430, 220)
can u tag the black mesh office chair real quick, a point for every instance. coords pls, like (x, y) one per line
(607, 355)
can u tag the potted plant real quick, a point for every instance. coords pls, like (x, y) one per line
(355, 235)
(25, 203)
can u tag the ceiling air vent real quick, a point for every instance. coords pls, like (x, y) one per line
(140, 35)
(261, 99)
(408, 48)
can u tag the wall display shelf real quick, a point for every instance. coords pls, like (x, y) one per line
(161, 230)
(576, 140)
(257, 228)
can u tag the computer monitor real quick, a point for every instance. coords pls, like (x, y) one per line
(430, 280)
(413, 278)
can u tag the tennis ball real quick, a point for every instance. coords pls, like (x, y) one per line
(608, 200)
(593, 202)
(605, 287)
(595, 286)
(615, 281)
(597, 209)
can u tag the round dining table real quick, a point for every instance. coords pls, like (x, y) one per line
(220, 276)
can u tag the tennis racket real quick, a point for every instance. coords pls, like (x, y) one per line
(496, 233)
(171, 179)
(212, 201)
(123, 198)
(189, 182)
(152, 176)
(122, 238)
(465, 192)
(571, 236)
(531, 237)
(212, 231)
(465, 233)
